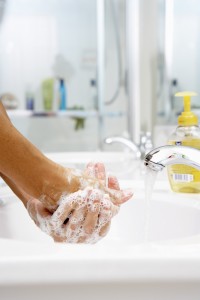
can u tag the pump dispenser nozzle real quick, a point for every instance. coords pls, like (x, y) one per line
(187, 118)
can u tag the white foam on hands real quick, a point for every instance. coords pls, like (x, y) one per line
(88, 204)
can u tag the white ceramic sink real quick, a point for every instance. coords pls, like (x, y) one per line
(163, 263)
(169, 216)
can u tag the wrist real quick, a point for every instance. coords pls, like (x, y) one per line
(59, 180)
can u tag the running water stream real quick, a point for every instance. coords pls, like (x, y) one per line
(150, 179)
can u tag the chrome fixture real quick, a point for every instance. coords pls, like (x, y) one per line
(133, 58)
(131, 78)
(101, 67)
(163, 156)
(139, 150)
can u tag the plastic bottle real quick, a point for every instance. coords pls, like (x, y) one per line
(63, 104)
(48, 93)
(29, 98)
(182, 178)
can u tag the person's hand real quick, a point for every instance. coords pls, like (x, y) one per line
(66, 181)
(83, 216)
(58, 180)
(74, 220)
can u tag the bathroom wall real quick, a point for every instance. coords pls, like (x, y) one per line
(41, 39)
(179, 57)
(186, 45)
(169, 51)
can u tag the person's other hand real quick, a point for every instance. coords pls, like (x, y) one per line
(67, 181)
(81, 217)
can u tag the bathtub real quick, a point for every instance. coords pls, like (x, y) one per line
(151, 252)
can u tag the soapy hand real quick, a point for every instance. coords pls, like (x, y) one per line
(80, 217)
(83, 216)
(72, 180)
(65, 203)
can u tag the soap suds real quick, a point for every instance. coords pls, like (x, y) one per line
(75, 207)
(85, 215)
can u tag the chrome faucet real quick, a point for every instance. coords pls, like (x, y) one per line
(131, 145)
(163, 156)
(139, 150)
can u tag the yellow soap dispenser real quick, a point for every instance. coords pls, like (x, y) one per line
(182, 178)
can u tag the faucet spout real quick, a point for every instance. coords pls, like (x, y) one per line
(163, 156)
(131, 145)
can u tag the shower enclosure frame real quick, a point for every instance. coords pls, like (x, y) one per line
(132, 68)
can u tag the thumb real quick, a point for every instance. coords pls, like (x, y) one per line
(50, 203)
(118, 197)
(37, 211)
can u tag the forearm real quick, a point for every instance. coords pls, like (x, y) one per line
(16, 190)
(26, 166)
(19, 158)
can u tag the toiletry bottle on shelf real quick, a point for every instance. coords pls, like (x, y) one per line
(63, 104)
(48, 93)
(29, 99)
(182, 178)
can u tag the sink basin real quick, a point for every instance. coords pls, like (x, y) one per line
(169, 216)
(152, 251)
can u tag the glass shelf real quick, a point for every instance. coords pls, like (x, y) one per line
(68, 113)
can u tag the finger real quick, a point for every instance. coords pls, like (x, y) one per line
(59, 239)
(105, 218)
(48, 202)
(90, 169)
(74, 227)
(107, 212)
(67, 205)
(82, 239)
(96, 170)
(100, 172)
(104, 229)
(40, 215)
(76, 219)
(35, 207)
(90, 224)
(113, 183)
(42, 218)
(119, 197)
(93, 205)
